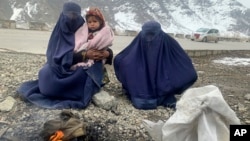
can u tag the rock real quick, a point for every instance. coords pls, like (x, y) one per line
(2, 131)
(247, 96)
(247, 122)
(200, 72)
(241, 107)
(104, 100)
(7, 104)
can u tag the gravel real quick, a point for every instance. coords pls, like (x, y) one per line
(24, 121)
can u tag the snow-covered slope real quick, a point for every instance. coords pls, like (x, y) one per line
(177, 16)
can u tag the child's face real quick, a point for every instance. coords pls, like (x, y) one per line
(93, 23)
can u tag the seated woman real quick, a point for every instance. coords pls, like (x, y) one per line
(58, 86)
(154, 68)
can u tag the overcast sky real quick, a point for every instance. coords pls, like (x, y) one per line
(245, 2)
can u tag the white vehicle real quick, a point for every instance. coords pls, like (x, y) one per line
(205, 35)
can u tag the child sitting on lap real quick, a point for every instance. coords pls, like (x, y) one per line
(94, 34)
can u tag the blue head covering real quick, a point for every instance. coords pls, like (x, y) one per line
(153, 68)
(62, 41)
(150, 30)
(71, 7)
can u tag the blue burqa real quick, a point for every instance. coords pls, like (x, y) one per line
(153, 68)
(58, 86)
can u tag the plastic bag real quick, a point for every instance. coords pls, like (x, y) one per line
(202, 115)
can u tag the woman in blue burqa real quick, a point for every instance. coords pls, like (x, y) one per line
(153, 68)
(58, 86)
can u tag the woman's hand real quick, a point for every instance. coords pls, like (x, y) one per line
(97, 54)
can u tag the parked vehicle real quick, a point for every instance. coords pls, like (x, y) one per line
(206, 35)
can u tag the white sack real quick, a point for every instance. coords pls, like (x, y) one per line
(201, 115)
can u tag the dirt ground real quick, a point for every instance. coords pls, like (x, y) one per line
(233, 81)
(25, 120)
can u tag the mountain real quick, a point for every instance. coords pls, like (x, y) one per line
(176, 16)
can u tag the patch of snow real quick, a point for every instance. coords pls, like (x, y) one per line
(233, 61)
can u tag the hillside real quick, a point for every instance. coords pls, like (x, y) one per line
(178, 16)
